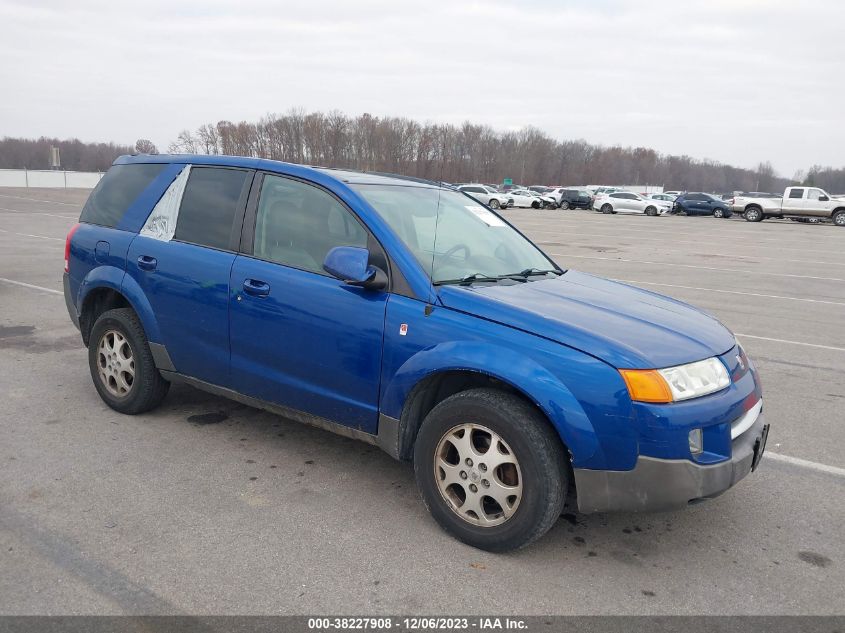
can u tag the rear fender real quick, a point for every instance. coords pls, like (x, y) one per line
(117, 280)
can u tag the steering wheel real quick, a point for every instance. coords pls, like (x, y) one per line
(456, 248)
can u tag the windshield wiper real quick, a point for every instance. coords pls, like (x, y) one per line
(468, 279)
(531, 272)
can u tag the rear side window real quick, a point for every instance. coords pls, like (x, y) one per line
(209, 204)
(116, 192)
(796, 193)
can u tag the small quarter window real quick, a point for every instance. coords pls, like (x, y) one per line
(116, 192)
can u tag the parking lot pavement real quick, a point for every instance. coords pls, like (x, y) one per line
(207, 506)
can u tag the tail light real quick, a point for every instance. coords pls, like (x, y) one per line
(67, 246)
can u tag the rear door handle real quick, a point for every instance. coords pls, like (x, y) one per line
(256, 288)
(145, 262)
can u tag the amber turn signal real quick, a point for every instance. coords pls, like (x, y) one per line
(646, 385)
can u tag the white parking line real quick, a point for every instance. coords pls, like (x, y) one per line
(731, 292)
(37, 213)
(42, 237)
(803, 463)
(672, 265)
(781, 340)
(31, 286)
(746, 245)
(69, 204)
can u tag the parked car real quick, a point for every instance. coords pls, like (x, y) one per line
(627, 202)
(796, 202)
(673, 193)
(575, 199)
(525, 198)
(487, 195)
(698, 203)
(411, 317)
(665, 197)
(541, 189)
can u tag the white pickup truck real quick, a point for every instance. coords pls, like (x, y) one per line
(797, 202)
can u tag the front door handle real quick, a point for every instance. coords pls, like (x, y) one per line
(256, 288)
(145, 262)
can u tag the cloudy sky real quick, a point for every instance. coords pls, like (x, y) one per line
(736, 81)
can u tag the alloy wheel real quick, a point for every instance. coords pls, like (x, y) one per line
(478, 475)
(116, 363)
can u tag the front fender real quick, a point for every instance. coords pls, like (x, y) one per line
(509, 366)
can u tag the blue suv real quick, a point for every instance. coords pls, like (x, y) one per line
(409, 316)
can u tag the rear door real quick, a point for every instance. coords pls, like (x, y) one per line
(301, 338)
(186, 277)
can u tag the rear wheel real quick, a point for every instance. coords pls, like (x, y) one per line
(491, 469)
(564, 204)
(494, 204)
(839, 218)
(753, 214)
(122, 365)
(606, 208)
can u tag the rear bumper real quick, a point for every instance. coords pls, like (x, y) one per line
(668, 484)
(71, 309)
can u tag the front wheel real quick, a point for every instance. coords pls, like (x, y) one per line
(652, 211)
(122, 365)
(535, 205)
(490, 469)
(839, 218)
(718, 213)
(494, 204)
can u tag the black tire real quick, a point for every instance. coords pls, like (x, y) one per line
(537, 448)
(148, 388)
(839, 218)
(494, 204)
(718, 213)
(753, 214)
(535, 205)
(652, 211)
(564, 204)
(606, 208)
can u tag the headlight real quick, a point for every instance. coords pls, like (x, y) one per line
(674, 384)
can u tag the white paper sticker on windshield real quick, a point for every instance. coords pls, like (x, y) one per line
(490, 219)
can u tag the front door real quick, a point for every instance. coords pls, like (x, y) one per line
(299, 337)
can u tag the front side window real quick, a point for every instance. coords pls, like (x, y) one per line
(116, 192)
(814, 194)
(209, 204)
(297, 224)
(451, 235)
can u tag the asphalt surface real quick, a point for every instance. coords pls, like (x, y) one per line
(205, 506)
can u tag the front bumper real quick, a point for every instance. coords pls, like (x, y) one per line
(669, 484)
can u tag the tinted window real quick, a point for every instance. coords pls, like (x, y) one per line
(116, 192)
(695, 196)
(796, 193)
(298, 224)
(209, 204)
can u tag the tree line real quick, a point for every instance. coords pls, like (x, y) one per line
(27, 153)
(436, 151)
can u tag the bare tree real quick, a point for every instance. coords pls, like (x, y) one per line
(145, 146)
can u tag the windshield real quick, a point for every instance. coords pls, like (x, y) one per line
(469, 240)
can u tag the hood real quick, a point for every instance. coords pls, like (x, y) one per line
(624, 326)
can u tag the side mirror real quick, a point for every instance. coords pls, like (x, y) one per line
(351, 265)
(823, 199)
